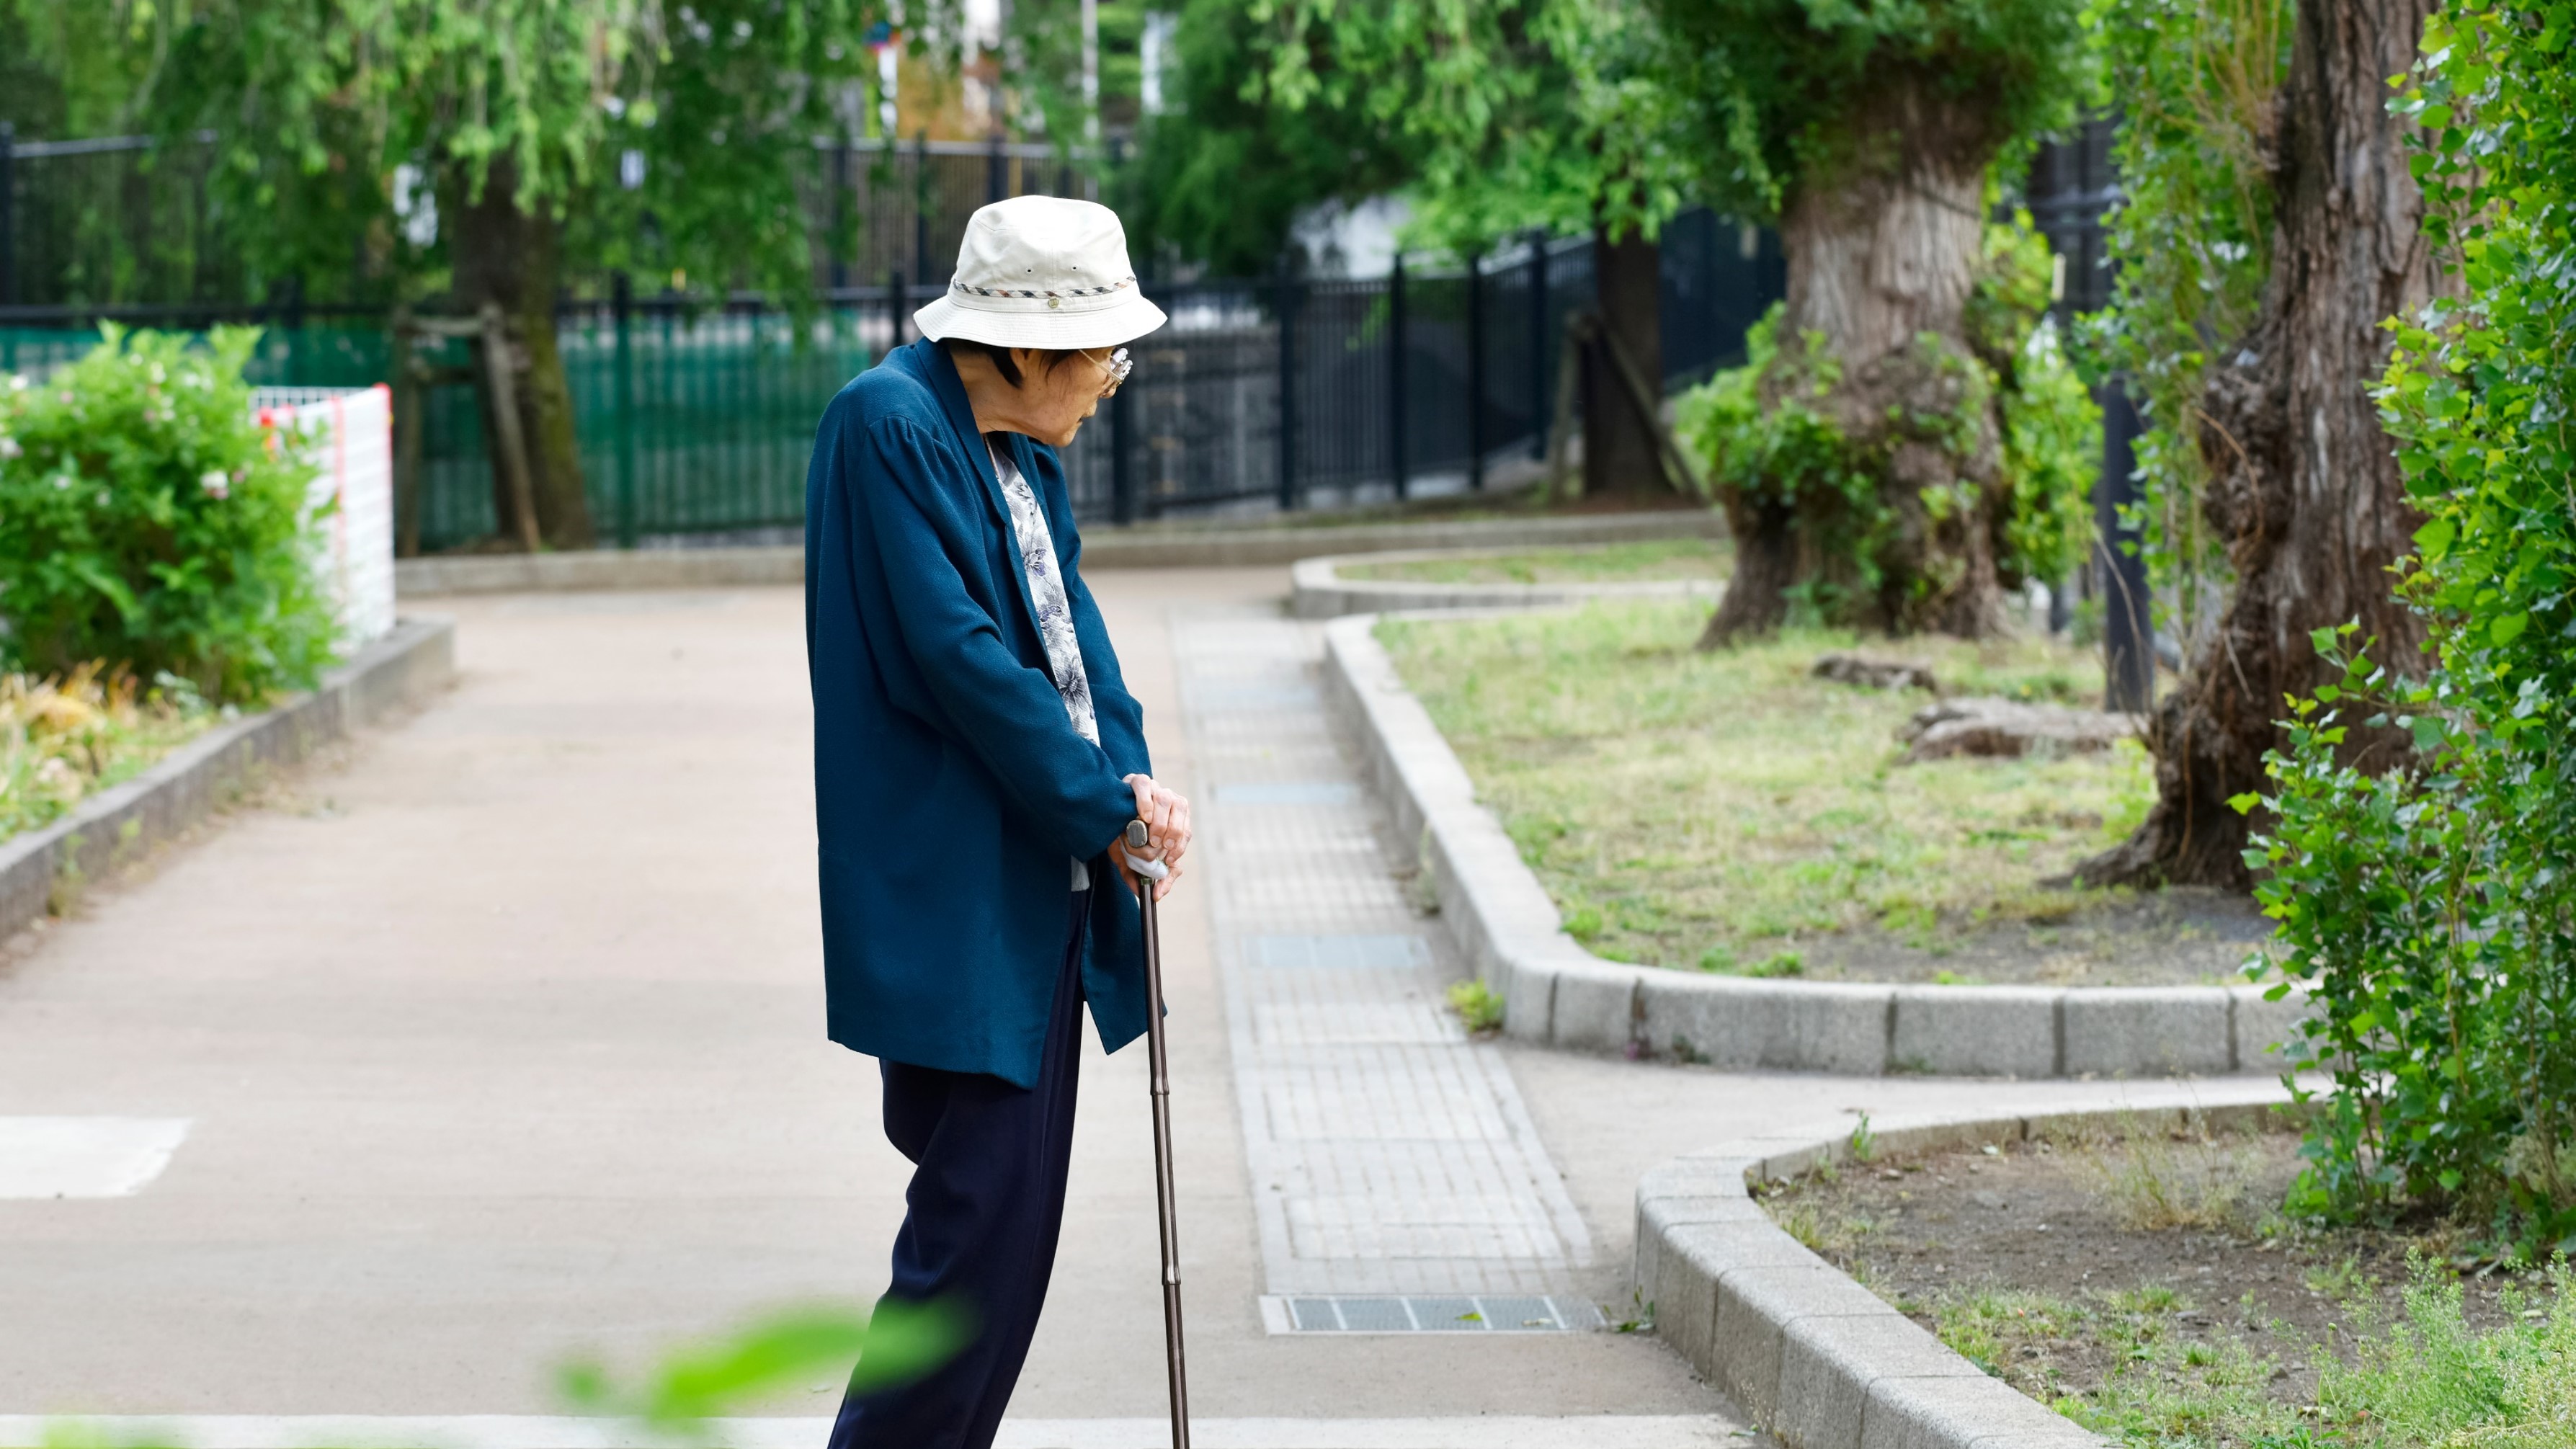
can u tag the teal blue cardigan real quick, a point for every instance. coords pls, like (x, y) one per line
(949, 787)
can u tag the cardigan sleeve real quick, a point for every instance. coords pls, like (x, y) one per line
(1008, 715)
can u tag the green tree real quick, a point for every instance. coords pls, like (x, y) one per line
(1870, 134)
(2292, 475)
(1556, 114)
(1220, 175)
(523, 120)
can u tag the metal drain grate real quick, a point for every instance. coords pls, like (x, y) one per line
(1493, 1313)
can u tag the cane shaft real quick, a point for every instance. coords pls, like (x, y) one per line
(1164, 1203)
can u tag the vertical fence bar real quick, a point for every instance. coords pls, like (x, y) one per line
(1540, 412)
(622, 300)
(8, 214)
(1395, 374)
(1476, 371)
(895, 308)
(1288, 308)
(996, 172)
(2128, 643)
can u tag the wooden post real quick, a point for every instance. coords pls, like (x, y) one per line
(510, 448)
(410, 399)
(622, 295)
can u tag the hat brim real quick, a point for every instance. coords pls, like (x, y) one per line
(1129, 318)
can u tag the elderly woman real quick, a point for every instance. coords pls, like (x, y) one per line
(976, 756)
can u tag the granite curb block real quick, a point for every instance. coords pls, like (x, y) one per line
(1136, 548)
(1317, 589)
(123, 824)
(1558, 994)
(1807, 1353)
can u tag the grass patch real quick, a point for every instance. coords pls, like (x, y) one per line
(1478, 1008)
(1709, 810)
(1668, 558)
(2419, 1376)
(62, 740)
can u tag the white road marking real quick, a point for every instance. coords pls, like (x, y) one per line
(534, 1431)
(50, 1157)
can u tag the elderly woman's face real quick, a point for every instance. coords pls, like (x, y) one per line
(1051, 403)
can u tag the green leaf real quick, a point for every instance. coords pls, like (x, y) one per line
(2244, 804)
(2506, 628)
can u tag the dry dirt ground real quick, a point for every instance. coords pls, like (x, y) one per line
(2057, 1264)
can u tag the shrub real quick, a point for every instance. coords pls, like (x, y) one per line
(148, 519)
(2434, 908)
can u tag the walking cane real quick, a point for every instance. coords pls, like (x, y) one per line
(1155, 870)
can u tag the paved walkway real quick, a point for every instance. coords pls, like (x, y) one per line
(502, 1041)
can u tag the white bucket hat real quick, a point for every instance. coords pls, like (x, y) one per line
(1042, 271)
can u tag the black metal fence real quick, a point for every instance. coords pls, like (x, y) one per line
(696, 422)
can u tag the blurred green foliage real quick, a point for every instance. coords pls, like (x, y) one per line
(899, 1343)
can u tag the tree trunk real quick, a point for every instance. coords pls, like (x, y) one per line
(2304, 486)
(503, 254)
(1619, 450)
(1882, 257)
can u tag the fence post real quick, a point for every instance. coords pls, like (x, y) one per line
(8, 215)
(843, 213)
(1395, 373)
(2128, 639)
(1122, 458)
(1476, 370)
(1288, 308)
(622, 301)
(1538, 338)
(997, 170)
(896, 305)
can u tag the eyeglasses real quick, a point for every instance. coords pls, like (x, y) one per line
(1118, 366)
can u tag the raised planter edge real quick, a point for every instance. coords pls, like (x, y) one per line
(1317, 589)
(123, 824)
(1813, 1357)
(1145, 547)
(1555, 993)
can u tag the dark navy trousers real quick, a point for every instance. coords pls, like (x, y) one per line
(980, 1223)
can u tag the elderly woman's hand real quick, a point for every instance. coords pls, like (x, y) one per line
(1166, 814)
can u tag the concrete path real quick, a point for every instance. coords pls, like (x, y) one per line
(502, 1041)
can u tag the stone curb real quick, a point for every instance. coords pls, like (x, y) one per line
(121, 825)
(1133, 548)
(1807, 1353)
(1558, 994)
(1317, 589)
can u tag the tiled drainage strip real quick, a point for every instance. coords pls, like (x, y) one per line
(1347, 1313)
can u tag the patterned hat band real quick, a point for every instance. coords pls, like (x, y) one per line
(1033, 294)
